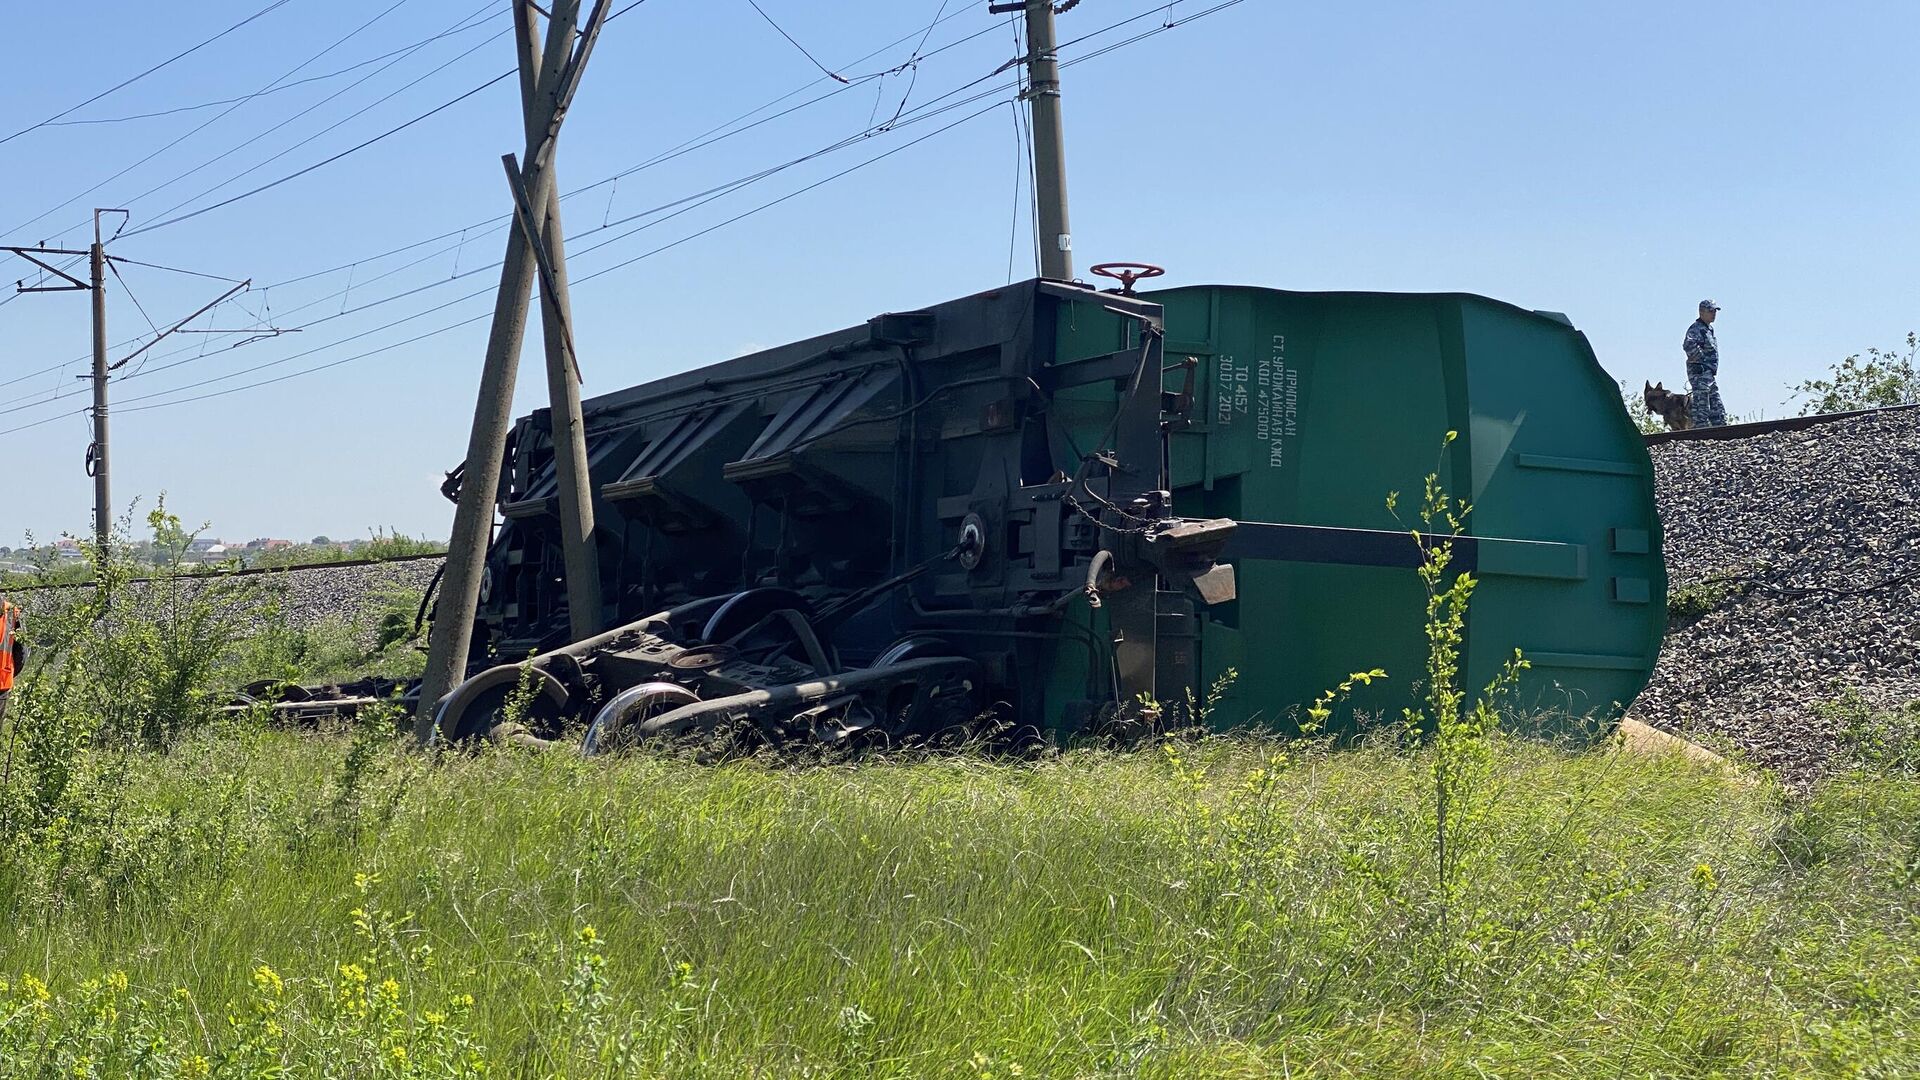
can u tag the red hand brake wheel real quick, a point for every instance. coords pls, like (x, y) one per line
(1127, 273)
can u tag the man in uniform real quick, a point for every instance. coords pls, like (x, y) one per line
(1703, 370)
(13, 652)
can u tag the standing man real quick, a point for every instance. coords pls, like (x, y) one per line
(13, 652)
(1703, 370)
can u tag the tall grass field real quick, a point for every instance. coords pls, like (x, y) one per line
(256, 903)
(190, 892)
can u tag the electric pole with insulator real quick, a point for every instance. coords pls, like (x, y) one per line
(97, 453)
(99, 263)
(1049, 141)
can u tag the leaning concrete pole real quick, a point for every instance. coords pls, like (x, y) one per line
(555, 83)
(577, 535)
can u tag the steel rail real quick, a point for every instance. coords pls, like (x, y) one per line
(250, 571)
(1765, 427)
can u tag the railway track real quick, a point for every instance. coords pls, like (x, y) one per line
(1766, 427)
(251, 571)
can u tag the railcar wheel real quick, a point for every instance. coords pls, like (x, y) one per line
(941, 710)
(620, 723)
(745, 610)
(478, 705)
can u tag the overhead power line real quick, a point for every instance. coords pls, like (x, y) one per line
(322, 163)
(443, 106)
(289, 73)
(706, 138)
(828, 72)
(921, 113)
(376, 103)
(577, 281)
(136, 78)
(348, 70)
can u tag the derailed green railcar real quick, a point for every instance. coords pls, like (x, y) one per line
(1041, 504)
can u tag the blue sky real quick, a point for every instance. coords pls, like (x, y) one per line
(1616, 162)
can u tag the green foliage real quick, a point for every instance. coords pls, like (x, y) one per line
(380, 641)
(1873, 738)
(1696, 600)
(126, 664)
(1883, 377)
(1460, 730)
(1251, 908)
(381, 544)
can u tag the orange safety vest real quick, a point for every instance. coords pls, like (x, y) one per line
(6, 646)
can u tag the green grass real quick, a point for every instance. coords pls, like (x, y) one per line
(1242, 908)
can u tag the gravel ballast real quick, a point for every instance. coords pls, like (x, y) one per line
(1815, 537)
(307, 597)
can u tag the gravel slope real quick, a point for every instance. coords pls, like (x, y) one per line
(307, 596)
(1821, 531)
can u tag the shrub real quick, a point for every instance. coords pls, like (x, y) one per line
(1884, 377)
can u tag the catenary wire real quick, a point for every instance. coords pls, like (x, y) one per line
(348, 70)
(824, 70)
(1168, 25)
(361, 81)
(693, 144)
(348, 151)
(206, 123)
(349, 118)
(581, 280)
(136, 78)
(713, 194)
(322, 163)
(690, 202)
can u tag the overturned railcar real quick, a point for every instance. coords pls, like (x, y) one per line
(1045, 505)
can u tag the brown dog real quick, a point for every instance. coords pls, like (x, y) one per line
(1668, 406)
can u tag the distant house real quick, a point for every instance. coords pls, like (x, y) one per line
(268, 544)
(201, 545)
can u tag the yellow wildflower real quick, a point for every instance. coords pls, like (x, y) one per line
(1704, 878)
(267, 981)
(390, 990)
(34, 990)
(196, 1067)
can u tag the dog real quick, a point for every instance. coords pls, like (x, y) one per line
(1668, 406)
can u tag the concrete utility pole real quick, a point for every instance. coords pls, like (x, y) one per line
(554, 83)
(1049, 142)
(577, 537)
(97, 454)
(98, 264)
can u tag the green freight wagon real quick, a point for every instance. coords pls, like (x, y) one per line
(1036, 507)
